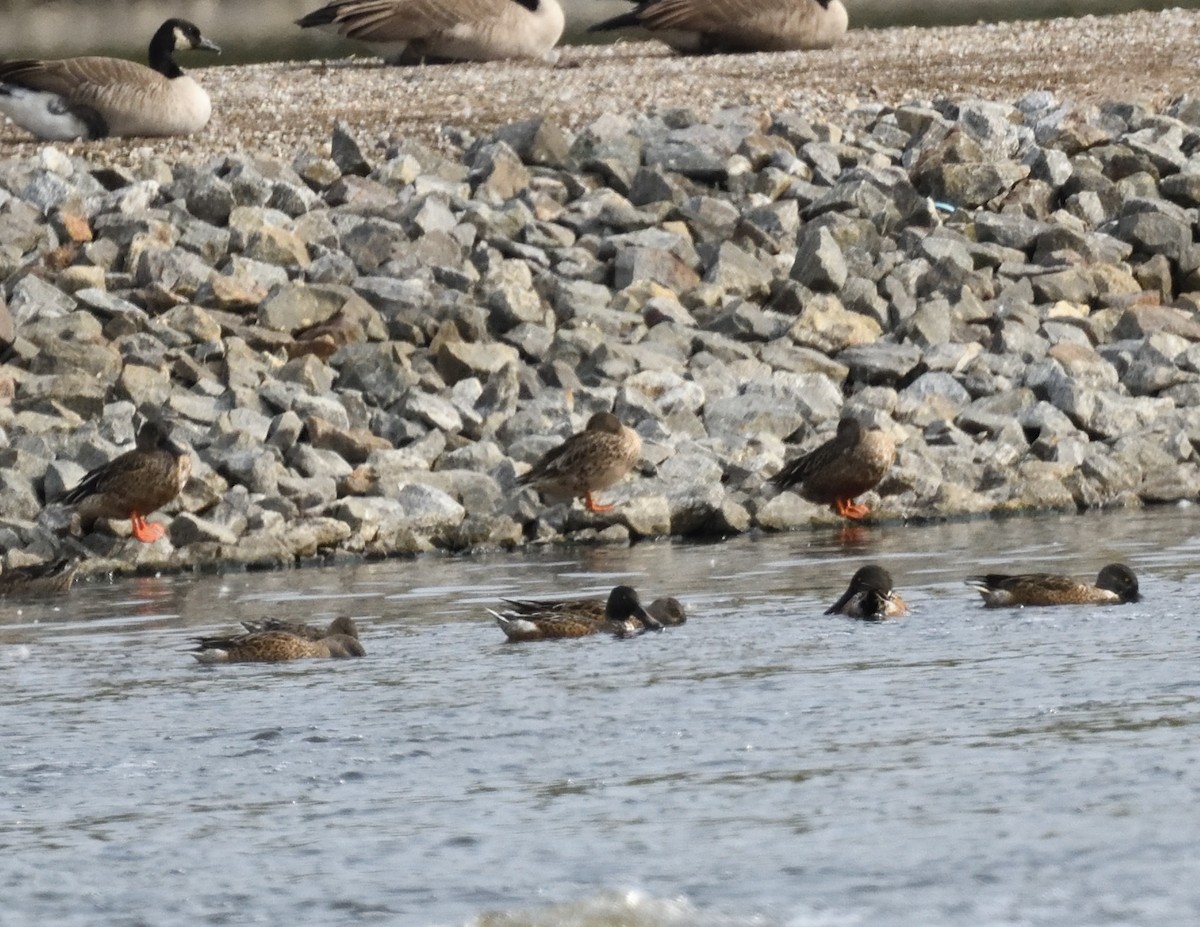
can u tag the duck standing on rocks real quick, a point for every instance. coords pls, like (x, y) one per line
(275, 647)
(847, 465)
(1116, 584)
(47, 578)
(870, 595)
(530, 620)
(427, 31)
(135, 484)
(587, 462)
(706, 26)
(95, 97)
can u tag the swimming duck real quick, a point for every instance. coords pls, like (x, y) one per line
(417, 31)
(94, 97)
(845, 466)
(274, 647)
(870, 595)
(665, 610)
(135, 484)
(707, 26)
(1116, 584)
(343, 625)
(588, 461)
(668, 611)
(529, 620)
(47, 578)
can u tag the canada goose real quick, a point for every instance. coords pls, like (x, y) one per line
(415, 31)
(705, 26)
(845, 466)
(588, 461)
(96, 97)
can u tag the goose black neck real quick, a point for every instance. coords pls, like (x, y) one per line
(531, 5)
(162, 52)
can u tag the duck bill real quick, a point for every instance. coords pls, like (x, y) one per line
(651, 623)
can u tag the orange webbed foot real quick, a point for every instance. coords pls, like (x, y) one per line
(593, 506)
(847, 509)
(145, 531)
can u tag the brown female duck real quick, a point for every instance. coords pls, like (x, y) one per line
(135, 484)
(1116, 584)
(274, 647)
(47, 578)
(343, 625)
(587, 462)
(870, 596)
(622, 614)
(847, 465)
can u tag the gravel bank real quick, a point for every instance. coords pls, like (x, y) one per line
(366, 343)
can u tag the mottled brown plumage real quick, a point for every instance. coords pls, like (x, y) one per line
(274, 647)
(96, 97)
(416, 31)
(47, 578)
(847, 465)
(343, 624)
(707, 26)
(587, 462)
(1116, 584)
(621, 614)
(135, 484)
(870, 596)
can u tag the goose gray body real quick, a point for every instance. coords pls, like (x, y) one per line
(96, 97)
(415, 31)
(703, 26)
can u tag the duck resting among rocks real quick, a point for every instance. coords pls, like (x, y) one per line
(588, 461)
(135, 484)
(847, 465)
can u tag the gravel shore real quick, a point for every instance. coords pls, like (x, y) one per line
(282, 108)
(366, 334)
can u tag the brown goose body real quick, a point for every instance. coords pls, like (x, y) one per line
(134, 484)
(415, 31)
(587, 462)
(705, 26)
(847, 465)
(97, 97)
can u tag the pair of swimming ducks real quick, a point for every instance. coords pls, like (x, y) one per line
(870, 596)
(98, 97)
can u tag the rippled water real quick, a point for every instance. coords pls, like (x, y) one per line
(763, 764)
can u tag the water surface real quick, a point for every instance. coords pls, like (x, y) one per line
(763, 764)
